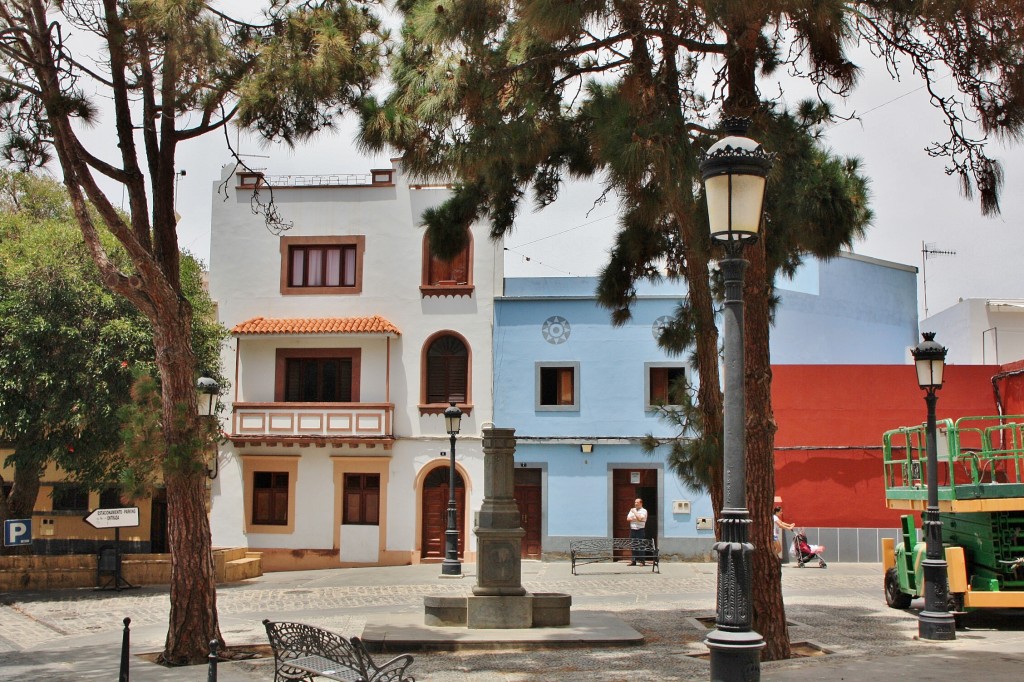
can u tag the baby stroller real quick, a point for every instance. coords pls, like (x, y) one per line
(805, 551)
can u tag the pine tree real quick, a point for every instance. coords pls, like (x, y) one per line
(510, 99)
(172, 71)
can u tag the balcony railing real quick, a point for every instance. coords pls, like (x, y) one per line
(312, 421)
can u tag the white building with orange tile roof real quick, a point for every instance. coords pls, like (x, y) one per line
(348, 342)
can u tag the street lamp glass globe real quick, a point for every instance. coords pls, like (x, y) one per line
(930, 360)
(735, 170)
(207, 392)
(452, 418)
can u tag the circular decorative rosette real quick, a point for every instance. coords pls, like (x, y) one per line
(556, 330)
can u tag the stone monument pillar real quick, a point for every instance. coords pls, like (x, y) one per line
(499, 535)
(499, 599)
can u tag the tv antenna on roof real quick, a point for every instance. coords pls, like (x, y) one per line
(927, 251)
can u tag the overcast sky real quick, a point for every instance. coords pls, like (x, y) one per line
(914, 201)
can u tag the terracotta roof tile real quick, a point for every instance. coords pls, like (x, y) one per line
(317, 325)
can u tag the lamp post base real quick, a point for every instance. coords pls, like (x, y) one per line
(451, 569)
(451, 566)
(936, 625)
(735, 656)
(935, 621)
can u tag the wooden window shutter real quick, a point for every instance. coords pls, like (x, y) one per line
(659, 385)
(447, 371)
(565, 386)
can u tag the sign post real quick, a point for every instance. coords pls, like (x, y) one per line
(123, 517)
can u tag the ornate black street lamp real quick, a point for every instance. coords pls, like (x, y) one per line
(207, 397)
(451, 564)
(735, 172)
(935, 622)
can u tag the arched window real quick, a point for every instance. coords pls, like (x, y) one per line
(447, 370)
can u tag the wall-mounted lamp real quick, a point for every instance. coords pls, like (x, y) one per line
(207, 396)
(207, 399)
(586, 448)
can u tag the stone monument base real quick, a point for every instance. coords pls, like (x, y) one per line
(540, 610)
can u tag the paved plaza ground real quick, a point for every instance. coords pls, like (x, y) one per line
(75, 635)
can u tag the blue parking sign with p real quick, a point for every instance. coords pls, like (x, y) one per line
(17, 532)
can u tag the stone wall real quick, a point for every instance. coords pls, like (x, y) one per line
(33, 572)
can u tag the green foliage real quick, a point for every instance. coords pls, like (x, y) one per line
(142, 437)
(70, 350)
(171, 71)
(145, 455)
(66, 343)
(693, 455)
(313, 65)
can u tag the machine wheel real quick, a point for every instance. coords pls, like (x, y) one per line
(894, 596)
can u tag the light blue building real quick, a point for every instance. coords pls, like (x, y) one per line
(579, 391)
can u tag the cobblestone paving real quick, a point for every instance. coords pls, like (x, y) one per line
(29, 621)
(663, 607)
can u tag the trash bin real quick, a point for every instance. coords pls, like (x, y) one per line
(107, 561)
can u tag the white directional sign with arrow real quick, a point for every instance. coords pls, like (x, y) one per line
(125, 517)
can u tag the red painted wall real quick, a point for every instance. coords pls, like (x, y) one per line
(828, 447)
(1011, 387)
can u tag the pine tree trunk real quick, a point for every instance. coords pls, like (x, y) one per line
(193, 621)
(27, 477)
(153, 285)
(22, 500)
(769, 609)
(709, 392)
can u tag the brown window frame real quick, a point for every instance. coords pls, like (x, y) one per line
(286, 354)
(299, 389)
(290, 245)
(110, 498)
(443, 395)
(279, 494)
(63, 494)
(438, 279)
(361, 502)
(659, 381)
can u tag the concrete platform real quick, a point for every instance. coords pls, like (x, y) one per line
(406, 632)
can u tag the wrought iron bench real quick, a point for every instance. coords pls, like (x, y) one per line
(302, 652)
(593, 550)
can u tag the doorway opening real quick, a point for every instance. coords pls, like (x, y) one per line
(627, 486)
(435, 513)
(528, 497)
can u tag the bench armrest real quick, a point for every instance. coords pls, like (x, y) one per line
(392, 671)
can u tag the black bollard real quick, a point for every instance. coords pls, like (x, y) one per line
(211, 670)
(123, 676)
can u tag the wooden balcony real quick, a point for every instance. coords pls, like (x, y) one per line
(317, 424)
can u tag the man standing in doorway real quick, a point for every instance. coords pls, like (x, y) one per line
(637, 518)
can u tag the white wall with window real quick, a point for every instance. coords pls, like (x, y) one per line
(351, 339)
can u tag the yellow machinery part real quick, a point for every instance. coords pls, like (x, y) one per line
(888, 554)
(956, 569)
(963, 506)
(994, 600)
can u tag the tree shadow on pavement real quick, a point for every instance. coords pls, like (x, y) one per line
(672, 637)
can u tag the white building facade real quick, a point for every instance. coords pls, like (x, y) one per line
(980, 331)
(348, 342)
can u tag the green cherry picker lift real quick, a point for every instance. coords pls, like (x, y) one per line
(981, 505)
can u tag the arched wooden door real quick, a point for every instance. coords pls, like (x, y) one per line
(435, 513)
